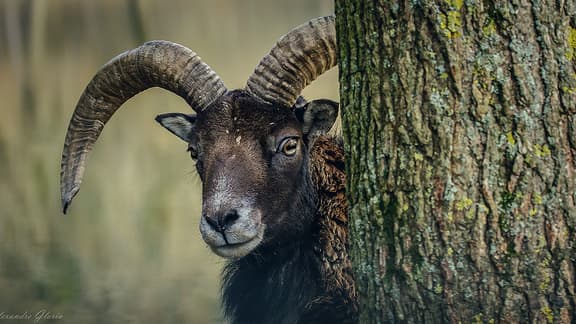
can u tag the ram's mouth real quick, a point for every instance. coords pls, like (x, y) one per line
(238, 250)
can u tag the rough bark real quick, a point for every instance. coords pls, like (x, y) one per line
(459, 120)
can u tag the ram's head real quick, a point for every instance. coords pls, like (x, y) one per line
(250, 145)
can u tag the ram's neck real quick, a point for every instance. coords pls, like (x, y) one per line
(272, 289)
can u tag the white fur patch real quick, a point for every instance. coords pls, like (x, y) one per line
(223, 196)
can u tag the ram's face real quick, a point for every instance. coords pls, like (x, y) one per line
(253, 162)
(250, 158)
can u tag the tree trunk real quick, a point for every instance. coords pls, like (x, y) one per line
(459, 120)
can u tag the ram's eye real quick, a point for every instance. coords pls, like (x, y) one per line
(289, 146)
(193, 152)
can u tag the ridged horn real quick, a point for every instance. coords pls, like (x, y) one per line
(154, 64)
(298, 58)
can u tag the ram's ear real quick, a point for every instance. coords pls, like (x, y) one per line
(317, 117)
(178, 124)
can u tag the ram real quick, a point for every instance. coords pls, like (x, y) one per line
(273, 197)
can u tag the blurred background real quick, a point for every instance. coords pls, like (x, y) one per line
(129, 250)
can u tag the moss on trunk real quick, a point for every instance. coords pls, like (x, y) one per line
(459, 119)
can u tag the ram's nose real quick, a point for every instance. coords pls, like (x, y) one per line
(220, 221)
(232, 232)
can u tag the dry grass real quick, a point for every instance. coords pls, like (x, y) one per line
(129, 250)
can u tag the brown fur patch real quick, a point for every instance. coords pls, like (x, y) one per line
(328, 173)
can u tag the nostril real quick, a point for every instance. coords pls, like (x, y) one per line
(229, 218)
(212, 222)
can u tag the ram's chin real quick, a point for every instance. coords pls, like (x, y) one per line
(239, 250)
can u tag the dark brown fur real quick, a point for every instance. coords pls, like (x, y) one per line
(328, 174)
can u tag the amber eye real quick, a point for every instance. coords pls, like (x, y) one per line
(289, 146)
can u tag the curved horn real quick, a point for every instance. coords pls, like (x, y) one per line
(298, 58)
(154, 64)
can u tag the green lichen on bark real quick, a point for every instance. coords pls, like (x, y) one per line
(460, 132)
